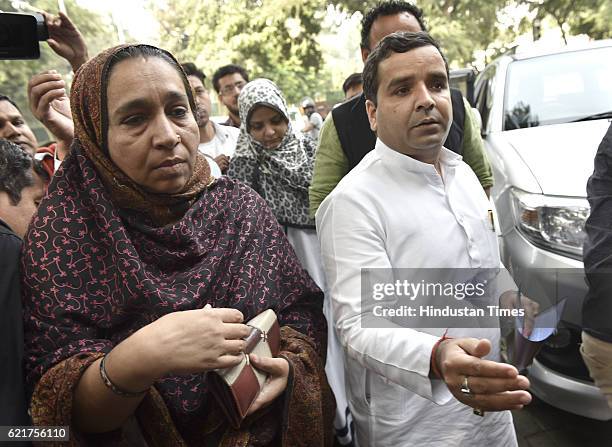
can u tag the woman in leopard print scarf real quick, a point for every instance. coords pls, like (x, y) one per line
(271, 157)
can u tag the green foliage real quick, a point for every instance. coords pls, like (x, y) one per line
(291, 41)
(594, 20)
(573, 15)
(463, 27)
(269, 38)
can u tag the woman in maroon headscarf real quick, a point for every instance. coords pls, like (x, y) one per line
(131, 244)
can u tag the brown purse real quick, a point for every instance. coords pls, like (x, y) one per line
(236, 388)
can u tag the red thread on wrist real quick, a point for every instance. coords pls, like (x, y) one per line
(434, 350)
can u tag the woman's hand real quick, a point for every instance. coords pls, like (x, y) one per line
(194, 341)
(275, 385)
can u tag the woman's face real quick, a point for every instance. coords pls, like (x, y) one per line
(267, 126)
(152, 133)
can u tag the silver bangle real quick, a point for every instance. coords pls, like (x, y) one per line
(114, 388)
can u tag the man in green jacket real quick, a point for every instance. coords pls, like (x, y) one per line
(335, 157)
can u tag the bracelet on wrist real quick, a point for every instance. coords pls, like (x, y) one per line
(433, 360)
(114, 388)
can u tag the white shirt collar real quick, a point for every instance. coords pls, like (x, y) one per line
(392, 157)
(220, 134)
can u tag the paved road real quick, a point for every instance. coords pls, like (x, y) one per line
(540, 425)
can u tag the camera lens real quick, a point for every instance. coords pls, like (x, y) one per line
(42, 32)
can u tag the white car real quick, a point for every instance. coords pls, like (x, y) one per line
(543, 116)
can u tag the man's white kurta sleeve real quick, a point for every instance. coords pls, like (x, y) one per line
(351, 238)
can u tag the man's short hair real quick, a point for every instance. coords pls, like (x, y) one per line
(393, 43)
(228, 70)
(15, 170)
(352, 81)
(191, 70)
(387, 8)
(6, 98)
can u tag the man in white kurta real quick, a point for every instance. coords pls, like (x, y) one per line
(394, 211)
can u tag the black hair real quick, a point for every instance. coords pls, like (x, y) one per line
(387, 8)
(6, 98)
(393, 43)
(228, 70)
(352, 81)
(15, 170)
(191, 70)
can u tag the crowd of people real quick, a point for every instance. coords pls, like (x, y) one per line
(136, 247)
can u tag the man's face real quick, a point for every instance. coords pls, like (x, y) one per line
(385, 25)
(309, 110)
(202, 99)
(14, 128)
(18, 216)
(229, 89)
(353, 91)
(414, 111)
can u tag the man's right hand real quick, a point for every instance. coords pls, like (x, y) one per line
(495, 386)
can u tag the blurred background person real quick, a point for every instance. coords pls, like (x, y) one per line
(276, 162)
(228, 81)
(352, 86)
(21, 190)
(216, 140)
(314, 119)
(14, 128)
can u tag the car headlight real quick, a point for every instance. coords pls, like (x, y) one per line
(556, 223)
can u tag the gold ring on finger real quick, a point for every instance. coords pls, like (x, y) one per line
(465, 387)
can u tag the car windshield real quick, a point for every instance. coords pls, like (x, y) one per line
(558, 88)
